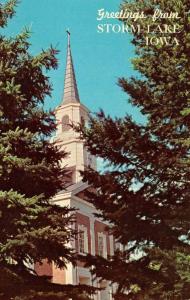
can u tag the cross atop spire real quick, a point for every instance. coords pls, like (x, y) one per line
(71, 94)
(68, 36)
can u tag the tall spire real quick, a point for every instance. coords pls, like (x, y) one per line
(71, 94)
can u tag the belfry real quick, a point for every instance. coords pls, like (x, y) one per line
(72, 111)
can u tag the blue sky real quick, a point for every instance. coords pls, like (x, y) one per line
(99, 58)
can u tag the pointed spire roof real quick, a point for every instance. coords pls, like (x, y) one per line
(71, 94)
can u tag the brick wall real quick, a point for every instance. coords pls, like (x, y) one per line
(44, 269)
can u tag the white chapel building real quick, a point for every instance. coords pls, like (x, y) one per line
(92, 237)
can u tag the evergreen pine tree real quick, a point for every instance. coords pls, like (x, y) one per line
(32, 228)
(144, 191)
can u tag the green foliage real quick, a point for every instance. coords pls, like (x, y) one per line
(20, 285)
(32, 227)
(144, 191)
(7, 11)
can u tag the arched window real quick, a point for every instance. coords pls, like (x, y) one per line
(65, 123)
(84, 121)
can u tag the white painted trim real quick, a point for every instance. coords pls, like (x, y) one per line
(80, 105)
(82, 228)
(104, 237)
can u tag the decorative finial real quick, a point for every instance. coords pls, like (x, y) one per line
(68, 36)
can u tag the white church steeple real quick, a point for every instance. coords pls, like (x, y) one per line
(72, 111)
(71, 94)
